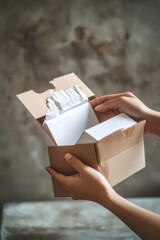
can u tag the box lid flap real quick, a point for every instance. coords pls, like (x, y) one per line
(120, 141)
(101, 130)
(36, 102)
(67, 81)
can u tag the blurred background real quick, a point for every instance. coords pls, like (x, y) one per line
(113, 46)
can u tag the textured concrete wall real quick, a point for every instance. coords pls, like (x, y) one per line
(113, 46)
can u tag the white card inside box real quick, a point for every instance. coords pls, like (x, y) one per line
(68, 127)
(98, 132)
(71, 119)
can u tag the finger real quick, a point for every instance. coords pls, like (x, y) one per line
(74, 162)
(115, 104)
(117, 95)
(58, 176)
(100, 100)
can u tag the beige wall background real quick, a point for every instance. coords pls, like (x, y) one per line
(113, 46)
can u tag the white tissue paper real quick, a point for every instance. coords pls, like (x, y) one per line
(63, 100)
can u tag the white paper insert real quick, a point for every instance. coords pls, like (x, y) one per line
(71, 119)
(69, 116)
(98, 132)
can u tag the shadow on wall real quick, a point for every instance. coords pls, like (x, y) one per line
(113, 46)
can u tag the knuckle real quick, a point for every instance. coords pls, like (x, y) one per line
(122, 98)
(130, 94)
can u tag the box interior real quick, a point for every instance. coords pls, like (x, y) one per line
(68, 127)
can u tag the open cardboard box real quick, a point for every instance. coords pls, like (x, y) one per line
(117, 155)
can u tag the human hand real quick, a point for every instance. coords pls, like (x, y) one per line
(87, 184)
(126, 103)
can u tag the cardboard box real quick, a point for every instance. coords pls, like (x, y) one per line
(117, 155)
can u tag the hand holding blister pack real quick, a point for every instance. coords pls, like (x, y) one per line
(65, 114)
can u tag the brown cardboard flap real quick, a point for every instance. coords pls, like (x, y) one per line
(85, 152)
(124, 164)
(67, 81)
(35, 102)
(119, 141)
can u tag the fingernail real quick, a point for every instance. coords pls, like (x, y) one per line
(68, 156)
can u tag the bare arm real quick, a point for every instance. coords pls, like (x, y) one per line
(128, 103)
(143, 222)
(89, 184)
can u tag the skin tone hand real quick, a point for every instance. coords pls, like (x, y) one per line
(76, 184)
(128, 103)
(143, 222)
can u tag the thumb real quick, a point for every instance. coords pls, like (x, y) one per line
(74, 162)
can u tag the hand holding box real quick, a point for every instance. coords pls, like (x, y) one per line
(119, 153)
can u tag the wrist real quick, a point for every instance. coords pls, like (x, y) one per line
(153, 123)
(109, 198)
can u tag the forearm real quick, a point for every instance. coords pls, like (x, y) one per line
(153, 122)
(143, 222)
